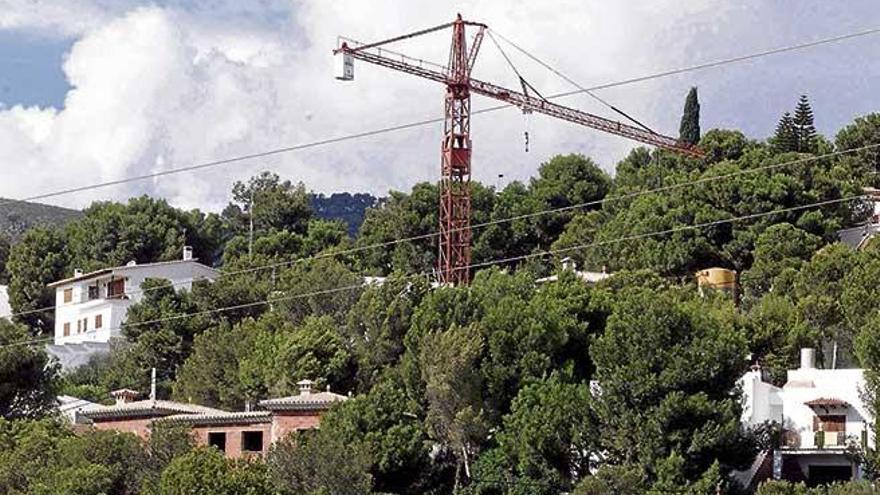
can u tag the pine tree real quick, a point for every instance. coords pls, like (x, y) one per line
(804, 128)
(786, 138)
(689, 130)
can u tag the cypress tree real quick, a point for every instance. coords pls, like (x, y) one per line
(689, 130)
(786, 138)
(805, 130)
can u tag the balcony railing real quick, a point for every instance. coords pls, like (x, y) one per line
(829, 439)
(794, 440)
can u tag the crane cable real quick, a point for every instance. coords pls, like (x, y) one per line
(568, 79)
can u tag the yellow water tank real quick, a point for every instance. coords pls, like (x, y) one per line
(717, 278)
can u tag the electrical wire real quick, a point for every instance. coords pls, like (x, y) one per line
(500, 261)
(374, 132)
(622, 197)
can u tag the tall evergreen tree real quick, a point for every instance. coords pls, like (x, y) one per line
(689, 130)
(786, 137)
(805, 130)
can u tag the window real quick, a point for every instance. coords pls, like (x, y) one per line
(79, 326)
(252, 441)
(217, 439)
(85, 324)
(116, 288)
(832, 422)
(99, 321)
(93, 292)
(67, 329)
(830, 430)
(68, 295)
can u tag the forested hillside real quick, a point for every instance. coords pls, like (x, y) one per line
(503, 387)
(17, 217)
(350, 208)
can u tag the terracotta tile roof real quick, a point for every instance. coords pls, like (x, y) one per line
(219, 418)
(314, 401)
(147, 408)
(827, 402)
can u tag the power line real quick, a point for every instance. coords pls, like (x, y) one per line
(348, 137)
(663, 232)
(479, 265)
(578, 206)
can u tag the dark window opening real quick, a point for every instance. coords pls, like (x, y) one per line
(93, 292)
(252, 441)
(217, 439)
(823, 475)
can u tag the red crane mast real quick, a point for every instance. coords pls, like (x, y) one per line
(454, 260)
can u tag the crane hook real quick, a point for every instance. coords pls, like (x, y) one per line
(526, 133)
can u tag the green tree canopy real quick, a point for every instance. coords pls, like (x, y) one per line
(28, 379)
(144, 230)
(785, 138)
(804, 126)
(550, 435)
(319, 464)
(667, 367)
(271, 203)
(4, 257)
(689, 129)
(205, 471)
(40, 257)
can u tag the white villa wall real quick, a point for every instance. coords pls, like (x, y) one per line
(4, 301)
(113, 311)
(844, 384)
(762, 401)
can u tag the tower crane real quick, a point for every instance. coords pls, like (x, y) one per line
(454, 258)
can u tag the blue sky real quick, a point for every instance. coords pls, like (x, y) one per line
(94, 90)
(30, 69)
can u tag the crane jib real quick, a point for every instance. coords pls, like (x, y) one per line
(536, 104)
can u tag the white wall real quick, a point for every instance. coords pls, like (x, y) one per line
(113, 311)
(763, 401)
(4, 301)
(844, 384)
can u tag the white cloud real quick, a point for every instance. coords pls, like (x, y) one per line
(161, 87)
(58, 17)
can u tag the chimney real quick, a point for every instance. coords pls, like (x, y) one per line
(124, 395)
(305, 387)
(808, 358)
(77, 272)
(187, 253)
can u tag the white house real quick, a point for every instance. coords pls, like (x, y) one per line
(71, 408)
(858, 237)
(587, 276)
(5, 310)
(90, 307)
(821, 413)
